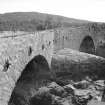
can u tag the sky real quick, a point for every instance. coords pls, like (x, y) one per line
(93, 10)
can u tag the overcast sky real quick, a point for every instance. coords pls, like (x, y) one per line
(93, 10)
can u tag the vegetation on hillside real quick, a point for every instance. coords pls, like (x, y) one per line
(31, 21)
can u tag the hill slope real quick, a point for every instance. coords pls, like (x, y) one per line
(27, 16)
(31, 21)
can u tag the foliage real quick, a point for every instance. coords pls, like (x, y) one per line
(30, 25)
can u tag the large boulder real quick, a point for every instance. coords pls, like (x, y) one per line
(70, 64)
(50, 95)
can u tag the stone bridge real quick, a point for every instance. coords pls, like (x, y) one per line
(20, 51)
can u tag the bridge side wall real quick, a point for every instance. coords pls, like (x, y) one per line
(15, 54)
(73, 37)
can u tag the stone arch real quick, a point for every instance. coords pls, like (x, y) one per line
(87, 45)
(35, 74)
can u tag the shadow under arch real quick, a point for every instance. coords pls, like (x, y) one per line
(87, 45)
(35, 74)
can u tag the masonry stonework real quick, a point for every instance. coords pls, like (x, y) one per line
(14, 57)
(19, 48)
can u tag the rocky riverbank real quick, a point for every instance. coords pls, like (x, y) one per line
(85, 92)
(75, 93)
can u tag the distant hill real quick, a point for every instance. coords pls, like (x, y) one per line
(28, 16)
(31, 21)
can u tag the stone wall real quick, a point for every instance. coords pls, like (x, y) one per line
(73, 37)
(15, 53)
(68, 64)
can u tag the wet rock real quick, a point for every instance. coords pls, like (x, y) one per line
(70, 88)
(45, 96)
(103, 95)
(56, 89)
(60, 101)
(95, 102)
(81, 84)
(100, 84)
(80, 101)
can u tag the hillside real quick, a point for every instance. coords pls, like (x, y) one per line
(31, 21)
(28, 16)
